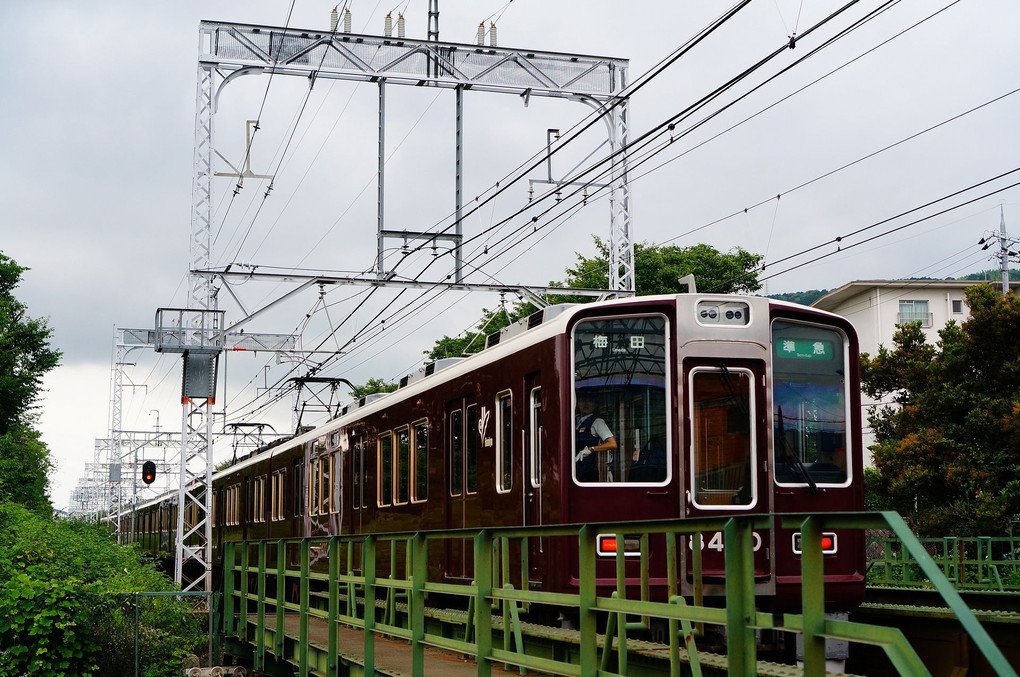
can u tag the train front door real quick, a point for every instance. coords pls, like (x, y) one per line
(726, 443)
(461, 450)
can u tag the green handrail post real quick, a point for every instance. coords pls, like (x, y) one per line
(228, 588)
(333, 627)
(612, 624)
(740, 611)
(243, 629)
(991, 652)
(303, 613)
(483, 607)
(813, 597)
(621, 618)
(260, 636)
(281, 596)
(586, 557)
(368, 563)
(419, 573)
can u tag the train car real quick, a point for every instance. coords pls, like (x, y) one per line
(634, 409)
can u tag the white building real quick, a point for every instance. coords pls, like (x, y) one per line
(876, 307)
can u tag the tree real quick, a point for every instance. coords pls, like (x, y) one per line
(657, 270)
(25, 357)
(67, 608)
(373, 386)
(947, 452)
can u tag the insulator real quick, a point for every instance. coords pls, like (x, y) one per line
(348, 19)
(480, 39)
(334, 20)
(400, 25)
(531, 193)
(492, 34)
(388, 26)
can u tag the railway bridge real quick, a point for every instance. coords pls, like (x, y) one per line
(363, 605)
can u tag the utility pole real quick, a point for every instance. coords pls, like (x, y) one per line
(1003, 252)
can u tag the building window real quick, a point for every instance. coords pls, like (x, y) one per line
(957, 306)
(914, 311)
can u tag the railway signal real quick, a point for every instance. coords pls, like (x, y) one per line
(149, 472)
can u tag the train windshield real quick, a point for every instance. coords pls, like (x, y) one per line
(621, 427)
(809, 405)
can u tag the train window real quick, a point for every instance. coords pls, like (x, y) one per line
(471, 449)
(402, 463)
(809, 405)
(335, 469)
(325, 484)
(249, 499)
(456, 447)
(358, 473)
(313, 487)
(278, 487)
(504, 443)
(536, 438)
(622, 426)
(421, 461)
(385, 465)
(299, 489)
(722, 440)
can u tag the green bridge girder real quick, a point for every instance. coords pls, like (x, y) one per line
(334, 606)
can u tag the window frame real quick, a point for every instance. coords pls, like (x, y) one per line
(384, 470)
(504, 442)
(752, 436)
(850, 448)
(671, 419)
(416, 473)
(401, 444)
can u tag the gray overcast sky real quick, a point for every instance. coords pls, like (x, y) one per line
(98, 110)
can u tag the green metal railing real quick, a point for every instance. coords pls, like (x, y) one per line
(357, 581)
(981, 563)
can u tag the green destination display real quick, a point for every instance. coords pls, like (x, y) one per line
(804, 349)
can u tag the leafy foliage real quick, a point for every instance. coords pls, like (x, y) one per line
(67, 603)
(373, 386)
(948, 453)
(802, 297)
(992, 274)
(658, 270)
(25, 354)
(25, 357)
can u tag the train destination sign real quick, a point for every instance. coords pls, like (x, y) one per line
(804, 349)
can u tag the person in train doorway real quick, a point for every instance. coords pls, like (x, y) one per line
(592, 437)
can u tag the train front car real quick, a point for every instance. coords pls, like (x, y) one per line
(701, 406)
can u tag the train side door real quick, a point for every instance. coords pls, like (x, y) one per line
(533, 475)
(461, 451)
(725, 444)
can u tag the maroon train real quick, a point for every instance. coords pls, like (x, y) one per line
(717, 404)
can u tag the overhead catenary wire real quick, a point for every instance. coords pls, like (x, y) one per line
(532, 220)
(778, 51)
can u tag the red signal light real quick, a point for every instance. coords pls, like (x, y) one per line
(149, 472)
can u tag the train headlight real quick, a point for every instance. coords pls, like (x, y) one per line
(829, 543)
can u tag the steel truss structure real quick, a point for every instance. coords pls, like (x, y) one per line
(228, 51)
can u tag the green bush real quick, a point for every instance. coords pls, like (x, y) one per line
(67, 603)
